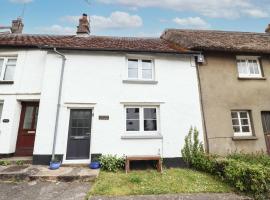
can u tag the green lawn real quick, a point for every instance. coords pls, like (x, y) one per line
(171, 181)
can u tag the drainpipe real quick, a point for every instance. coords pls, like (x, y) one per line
(58, 100)
(202, 107)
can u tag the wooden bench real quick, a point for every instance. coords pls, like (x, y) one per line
(141, 158)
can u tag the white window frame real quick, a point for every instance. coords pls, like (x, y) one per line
(3, 71)
(140, 70)
(1, 113)
(241, 133)
(249, 75)
(141, 121)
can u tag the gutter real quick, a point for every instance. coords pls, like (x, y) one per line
(202, 108)
(58, 101)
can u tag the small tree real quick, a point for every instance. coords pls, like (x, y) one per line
(193, 148)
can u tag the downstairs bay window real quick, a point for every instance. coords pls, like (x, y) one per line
(142, 120)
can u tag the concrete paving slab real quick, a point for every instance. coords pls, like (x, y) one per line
(35, 172)
(36, 190)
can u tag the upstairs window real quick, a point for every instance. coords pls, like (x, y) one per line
(241, 123)
(7, 68)
(248, 67)
(140, 69)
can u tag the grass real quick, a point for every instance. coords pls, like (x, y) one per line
(172, 181)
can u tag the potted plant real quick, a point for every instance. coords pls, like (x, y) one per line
(55, 163)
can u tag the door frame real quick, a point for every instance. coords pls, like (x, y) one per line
(21, 122)
(68, 110)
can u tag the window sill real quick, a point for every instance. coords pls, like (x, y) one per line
(244, 138)
(140, 82)
(6, 82)
(251, 78)
(126, 137)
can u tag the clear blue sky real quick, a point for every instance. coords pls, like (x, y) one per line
(137, 17)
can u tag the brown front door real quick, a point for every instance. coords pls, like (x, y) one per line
(266, 128)
(27, 129)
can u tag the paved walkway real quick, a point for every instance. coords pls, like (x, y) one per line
(204, 196)
(44, 190)
(35, 172)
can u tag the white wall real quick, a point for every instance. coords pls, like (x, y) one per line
(95, 80)
(27, 86)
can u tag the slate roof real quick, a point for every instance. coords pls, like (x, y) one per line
(94, 43)
(225, 41)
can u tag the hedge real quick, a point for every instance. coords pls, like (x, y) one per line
(247, 173)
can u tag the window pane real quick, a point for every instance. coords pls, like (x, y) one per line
(36, 116)
(242, 67)
(147, 69)
(234, 115)
(235, 122)
(245, 129)
(243, 114)
(150, 125)
(133, 125)
(256, 67)
(147, 74)
(150, 113)
(251, 67)
(244, 122)
(9, 73)
(27, 124)
(147, 64)
(133, 113)
(236, 129)
(1, 65)
(133, 68)
(1, 110)
(132, 73)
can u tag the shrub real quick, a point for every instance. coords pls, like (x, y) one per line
(248, 173)
(255, 158)
(19, 162)
(4, 163)
(111, 163)
(193, 148)
(254, 179)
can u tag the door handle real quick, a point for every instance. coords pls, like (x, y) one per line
(31, 132)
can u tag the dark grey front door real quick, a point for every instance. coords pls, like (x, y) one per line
(78, 146)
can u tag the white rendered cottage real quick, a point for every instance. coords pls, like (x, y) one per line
(119, 96)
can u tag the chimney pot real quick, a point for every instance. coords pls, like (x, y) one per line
(84, 26)
(17, 26)
(267, 30)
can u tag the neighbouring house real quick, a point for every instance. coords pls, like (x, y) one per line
(235, 87)
(100, 95)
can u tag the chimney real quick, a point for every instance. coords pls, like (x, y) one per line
(267, 30)
(17, 26)
(84, 26)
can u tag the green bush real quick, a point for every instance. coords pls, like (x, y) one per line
(4, 163)
(193, 148)
(254, 179)
(19, 162)
(255, 158)
(247, 173)
(111, 163)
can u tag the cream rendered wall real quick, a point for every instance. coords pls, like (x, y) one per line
(27, 85)
(96, 81)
